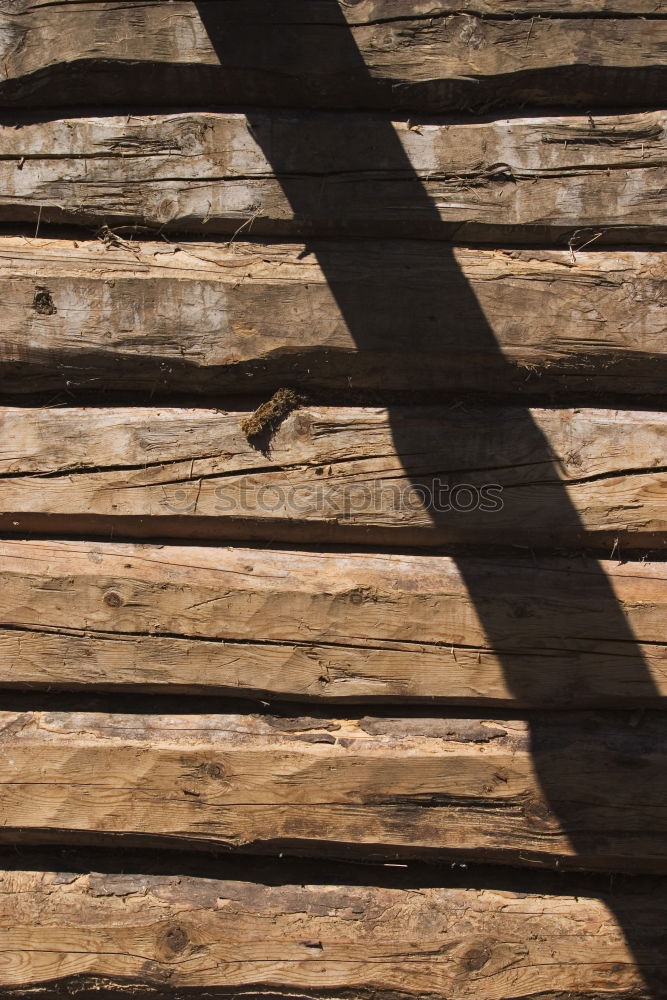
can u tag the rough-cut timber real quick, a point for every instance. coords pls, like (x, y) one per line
(407, 476)
(322, 626)
(364, 11)
(567, 790)
(210, 318)
(202, 937)
(431, 56)
(563, 179)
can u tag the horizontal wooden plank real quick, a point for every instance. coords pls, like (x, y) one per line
(432, 56)
(404, 476)
(480, 632)
(209, 318)
(364, 11)
(203, 936)
(520, 179)
(372, 788)
(327, 627)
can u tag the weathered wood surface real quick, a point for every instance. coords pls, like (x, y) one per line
(405, 476)
(206, 937)
(363, 11)
(404, 55)
(322, 626)
(210, 318)
(542, 179)
(567, 791)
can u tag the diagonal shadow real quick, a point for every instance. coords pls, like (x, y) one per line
(600, 777)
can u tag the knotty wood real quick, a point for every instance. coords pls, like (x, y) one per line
(209, 318)
(196, 935)
(367, 788)
(540, 179)
(543, 478)
(322, 626)
(405, 55)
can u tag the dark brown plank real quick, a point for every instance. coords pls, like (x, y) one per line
(407, 54)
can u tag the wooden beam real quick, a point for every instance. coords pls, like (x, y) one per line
(404, 476)
(364, 11)
(370, 788)
(513, 632)
(558, 179)
(155, 935)
(430, 56)
(210, 318)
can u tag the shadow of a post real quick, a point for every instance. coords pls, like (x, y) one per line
(576, 800)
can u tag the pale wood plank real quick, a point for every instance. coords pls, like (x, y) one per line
(404, 476)
(318, 626)
(519, 179)
(208, 318)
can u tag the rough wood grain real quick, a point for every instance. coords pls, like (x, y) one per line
(407, 476)
(209, 318)
(364, 11)
(326, 627)
(520, 179)
(430, 56)
(195, 937)
(372, 788)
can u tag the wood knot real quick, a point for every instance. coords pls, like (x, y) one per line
(197, 769)
(174, 940)
(361, 595)
(113, 599)
(43, 301)
(302, 429)
(476, 958)
(539, 815)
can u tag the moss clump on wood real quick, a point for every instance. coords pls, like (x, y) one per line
(267, 417)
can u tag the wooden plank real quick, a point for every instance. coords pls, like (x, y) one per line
(404, 476)
(542, 179)
(511, 632)
(364, 11)
(371, 788)
(199, 936)
(210, 318)
(430, 56)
